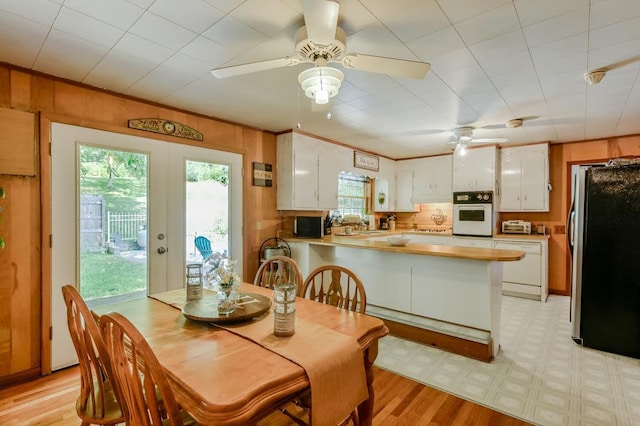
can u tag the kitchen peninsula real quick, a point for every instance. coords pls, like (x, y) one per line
(440, 295)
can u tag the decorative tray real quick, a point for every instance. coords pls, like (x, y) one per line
(250, 305)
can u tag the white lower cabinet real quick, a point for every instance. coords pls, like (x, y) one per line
(478, 242)
(527, 277)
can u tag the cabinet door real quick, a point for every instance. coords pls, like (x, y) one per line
(442, 177)
(404, 191)
(533, 182)
(328, 173)
(474, 169)
(305, 188)
(510, 179)
(381, 195)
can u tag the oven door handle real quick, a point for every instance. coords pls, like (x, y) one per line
(471, 207)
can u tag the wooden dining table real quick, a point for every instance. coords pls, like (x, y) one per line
(222, 378)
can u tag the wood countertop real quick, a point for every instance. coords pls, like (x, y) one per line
(363, 241)
(523, 237)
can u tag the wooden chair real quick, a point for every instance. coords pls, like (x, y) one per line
(143, 383)
(98, 400)
(337, 286)
(277, 270)
(340, 287)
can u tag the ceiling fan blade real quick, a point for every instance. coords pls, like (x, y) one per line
(489, 140)
(234, 70)
(321, 20)
(389, 66)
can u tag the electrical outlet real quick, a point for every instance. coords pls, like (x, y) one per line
(258, 225)
(559, 229)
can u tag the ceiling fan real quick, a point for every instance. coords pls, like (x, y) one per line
(464, 135)
(321, 41)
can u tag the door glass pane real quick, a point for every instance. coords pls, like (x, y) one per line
(207, 209)
(113, 222)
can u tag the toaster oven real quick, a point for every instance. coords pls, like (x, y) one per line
(516, 227)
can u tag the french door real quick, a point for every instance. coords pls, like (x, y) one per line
(171, 191)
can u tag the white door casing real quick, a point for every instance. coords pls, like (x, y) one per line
(166, 214)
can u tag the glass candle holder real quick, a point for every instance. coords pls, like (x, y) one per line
(194, 281)
(284, 314)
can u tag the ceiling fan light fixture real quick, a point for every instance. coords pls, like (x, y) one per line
(463, 135)
(594, 77)
(516, 122)
(321, 83)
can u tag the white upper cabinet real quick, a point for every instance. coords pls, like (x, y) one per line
(381, 196)
(525, 178)
(307, 173)
(432, 179)
(404, 191)
(474, 169)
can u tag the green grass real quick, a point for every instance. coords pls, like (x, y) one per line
(105, 275)
(126, 194)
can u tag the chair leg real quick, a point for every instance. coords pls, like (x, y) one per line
(293, 417)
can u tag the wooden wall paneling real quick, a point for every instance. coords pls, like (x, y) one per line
(17, 142)
(21, 90)
(20, 316)
(5, 86)
(45, 258)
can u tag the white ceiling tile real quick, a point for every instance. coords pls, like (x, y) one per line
(499, 47)
(573, 23)
(91, 29)
(561, 48)
(190, 68)
(615, 33)
(354, 16)
(436, 44)
(40, 11)
(195, 15)
(162, 31)
(107, 73)
(377, 40)
(279, 46)
(533, 11)
(625, 55)
(66, 56)
(230, 31)
(570, 64)
(23, 50)
(144, 4)
(136, 46)
(208, 51)
(225, 5)
(459, 11)
(488, 25)
(268, 17)
(609, 12)
(119, 13)
(409, 19)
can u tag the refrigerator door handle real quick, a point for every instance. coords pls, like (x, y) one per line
(571, 231)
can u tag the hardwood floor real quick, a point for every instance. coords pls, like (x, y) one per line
(51, 400)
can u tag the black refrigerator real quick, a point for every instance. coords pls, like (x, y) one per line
(604, 238)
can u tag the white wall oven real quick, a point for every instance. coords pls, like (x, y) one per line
(473, 213)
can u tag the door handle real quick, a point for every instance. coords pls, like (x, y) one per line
(162, 250)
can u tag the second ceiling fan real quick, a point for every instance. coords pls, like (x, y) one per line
(321, 41)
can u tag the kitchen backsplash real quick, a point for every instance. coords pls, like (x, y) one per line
(432, 215)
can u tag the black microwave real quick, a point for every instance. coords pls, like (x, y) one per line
(308, 226)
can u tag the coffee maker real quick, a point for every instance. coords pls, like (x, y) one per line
(382, 223)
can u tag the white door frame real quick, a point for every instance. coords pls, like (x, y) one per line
(166, 214)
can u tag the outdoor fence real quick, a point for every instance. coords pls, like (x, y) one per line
(123, 228)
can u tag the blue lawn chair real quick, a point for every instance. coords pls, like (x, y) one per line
(203, 244)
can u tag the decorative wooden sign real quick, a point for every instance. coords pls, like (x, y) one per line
(166, 127)
(262, 174)
(363, 160)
